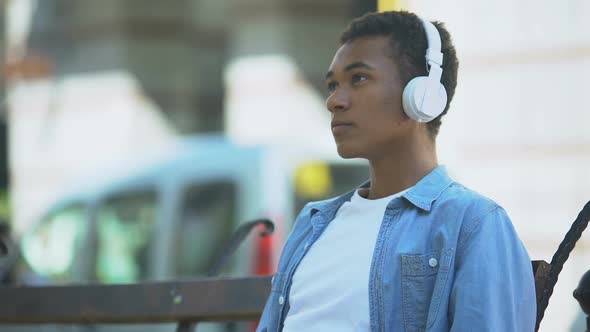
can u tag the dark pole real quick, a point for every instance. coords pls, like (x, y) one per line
(582, 294)
(4, 169)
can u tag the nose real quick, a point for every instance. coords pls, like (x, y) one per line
(338, 101)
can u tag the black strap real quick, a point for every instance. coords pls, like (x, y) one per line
(561, 255)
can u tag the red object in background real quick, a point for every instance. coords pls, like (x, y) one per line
(263, 254)
(265, 249)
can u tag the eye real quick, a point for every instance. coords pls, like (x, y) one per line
(331, 86)
(357, 78)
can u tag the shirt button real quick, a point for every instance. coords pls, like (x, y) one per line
(272, 280)
(432, 262)
(281, 300)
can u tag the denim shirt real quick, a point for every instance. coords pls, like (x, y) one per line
(445, 259)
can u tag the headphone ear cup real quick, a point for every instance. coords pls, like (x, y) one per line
(410, 98)
(413, 100)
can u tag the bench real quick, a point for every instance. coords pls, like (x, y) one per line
(185, 302)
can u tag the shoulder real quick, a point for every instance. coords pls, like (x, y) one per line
(474, 211)
(469, 202)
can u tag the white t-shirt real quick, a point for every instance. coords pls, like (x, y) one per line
(330, 288)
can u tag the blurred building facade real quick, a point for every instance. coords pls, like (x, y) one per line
(178, 51)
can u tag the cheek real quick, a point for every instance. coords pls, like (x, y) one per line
(392, 98)
(387, 120)
(386, 96)
(386, 107)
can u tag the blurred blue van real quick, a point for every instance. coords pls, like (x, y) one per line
(169, 219)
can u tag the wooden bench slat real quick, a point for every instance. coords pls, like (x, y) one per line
(154, 302)
(212, 299)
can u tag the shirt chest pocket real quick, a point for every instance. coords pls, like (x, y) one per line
(424, 282)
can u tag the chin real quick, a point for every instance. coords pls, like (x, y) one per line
(347, 152)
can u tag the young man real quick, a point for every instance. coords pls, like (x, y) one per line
(410, 250)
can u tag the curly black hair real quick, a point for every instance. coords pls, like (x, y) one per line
(408, 45)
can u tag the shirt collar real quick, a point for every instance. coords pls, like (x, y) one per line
(422, 195)
(429, 189)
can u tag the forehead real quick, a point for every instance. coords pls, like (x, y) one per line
(375, 51)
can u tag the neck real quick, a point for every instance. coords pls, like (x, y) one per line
(400, 168)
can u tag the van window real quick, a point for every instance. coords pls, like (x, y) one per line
(124, 234)
(49, 249)
(207, 219)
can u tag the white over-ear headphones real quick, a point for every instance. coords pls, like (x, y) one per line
(425, 97)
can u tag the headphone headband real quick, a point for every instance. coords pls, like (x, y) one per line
(433, 53)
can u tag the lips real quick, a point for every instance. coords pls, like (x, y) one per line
(340, 127)
(340, 123)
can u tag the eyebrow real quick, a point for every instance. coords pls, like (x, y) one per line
(354, 65)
